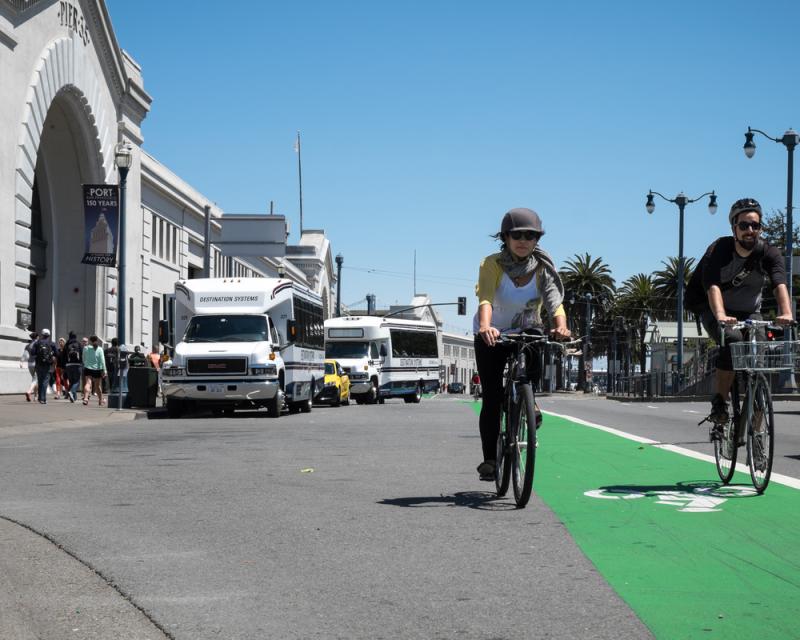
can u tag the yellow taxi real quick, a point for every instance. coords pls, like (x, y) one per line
(336, 388)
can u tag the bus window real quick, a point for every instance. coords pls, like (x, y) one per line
(373, 351)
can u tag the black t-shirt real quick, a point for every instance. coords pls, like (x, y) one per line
(723, 265)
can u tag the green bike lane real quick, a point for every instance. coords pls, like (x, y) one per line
(692, 558)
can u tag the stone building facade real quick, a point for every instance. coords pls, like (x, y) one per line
(70, 95)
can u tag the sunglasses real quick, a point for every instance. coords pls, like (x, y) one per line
(744, 225)
(527, 235)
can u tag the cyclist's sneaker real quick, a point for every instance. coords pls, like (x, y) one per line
(486, 470)
(719, 410)
(759, 458)
(538, 415)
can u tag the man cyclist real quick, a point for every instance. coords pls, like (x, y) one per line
(734, 273)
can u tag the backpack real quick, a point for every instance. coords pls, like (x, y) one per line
(73, 353)
(44, 354)
(695, 298)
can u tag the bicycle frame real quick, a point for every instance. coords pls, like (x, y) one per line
(517, 439)
(752, 422)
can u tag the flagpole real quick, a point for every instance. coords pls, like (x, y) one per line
(300, 182)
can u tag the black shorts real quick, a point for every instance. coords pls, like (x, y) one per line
(724, 360)
(93, 373)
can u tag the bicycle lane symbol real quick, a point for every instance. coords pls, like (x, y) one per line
(698, 500)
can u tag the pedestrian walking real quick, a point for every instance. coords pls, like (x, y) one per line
(58, 370)
(117, 363)
(94, 371)
(73, 365)
(29, 359)
(84, 345)
(45, 352)
(155, 358)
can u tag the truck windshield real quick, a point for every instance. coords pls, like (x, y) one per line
(226, 329)
(339, 350)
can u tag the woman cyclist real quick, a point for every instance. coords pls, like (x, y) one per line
(512, 287)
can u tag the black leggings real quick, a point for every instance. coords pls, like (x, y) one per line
(491, 362)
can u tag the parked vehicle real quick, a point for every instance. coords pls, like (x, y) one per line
(385, 357)
(455, 387)
(336, 388)
(246, 342)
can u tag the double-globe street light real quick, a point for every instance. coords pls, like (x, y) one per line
(681, 200)
(123, 158)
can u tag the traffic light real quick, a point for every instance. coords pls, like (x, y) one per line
(462, 305)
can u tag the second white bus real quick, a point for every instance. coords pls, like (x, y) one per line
(385, 357)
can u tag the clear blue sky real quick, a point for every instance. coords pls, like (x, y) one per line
(422, 122)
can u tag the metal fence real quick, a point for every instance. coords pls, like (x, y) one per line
(697, 380)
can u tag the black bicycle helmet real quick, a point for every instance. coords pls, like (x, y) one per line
(522, 220)
(743, 206)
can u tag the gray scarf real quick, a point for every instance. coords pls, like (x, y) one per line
(516, 268)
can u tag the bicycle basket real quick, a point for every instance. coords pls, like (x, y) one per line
(765, 356)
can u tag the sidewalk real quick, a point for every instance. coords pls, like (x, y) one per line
(46, 592)
(17, 415)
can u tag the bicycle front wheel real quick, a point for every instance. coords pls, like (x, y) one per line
(760, 432)
(523, 444)
(725, 448)
(502, 469)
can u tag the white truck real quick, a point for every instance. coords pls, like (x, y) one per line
(244, 343)
(385, 357)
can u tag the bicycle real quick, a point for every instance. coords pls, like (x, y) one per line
(751, 422)
(516, 443)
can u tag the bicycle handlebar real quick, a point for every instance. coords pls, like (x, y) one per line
(747, 324)
(536, 338)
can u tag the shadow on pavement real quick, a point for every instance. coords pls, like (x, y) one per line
(472, 499)
(704, 487)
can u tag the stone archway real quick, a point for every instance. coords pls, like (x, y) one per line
(67, 138)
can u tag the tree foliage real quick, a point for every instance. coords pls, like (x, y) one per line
(773, 230)
(665, 282)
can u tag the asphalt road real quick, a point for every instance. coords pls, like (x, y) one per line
(354, 522)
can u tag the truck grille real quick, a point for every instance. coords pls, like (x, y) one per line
(216, 366)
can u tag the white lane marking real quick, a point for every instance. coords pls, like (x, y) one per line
(787, 481)
(690, 411)
(650, 406)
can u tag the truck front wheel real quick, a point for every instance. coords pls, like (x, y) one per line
(174, 408)
(275, 405)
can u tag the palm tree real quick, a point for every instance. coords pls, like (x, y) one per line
(666, 281)
(636, 301)
(583, 275)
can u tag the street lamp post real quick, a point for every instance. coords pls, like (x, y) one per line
(587, 343)
(681, 200)
(789, 140)
(339, 261)
(123, 159)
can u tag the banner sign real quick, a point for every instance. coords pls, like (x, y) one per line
(101, 222)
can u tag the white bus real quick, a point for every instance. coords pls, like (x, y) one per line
(245, 343)
(385, 357)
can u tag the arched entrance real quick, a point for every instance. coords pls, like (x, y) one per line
(67, 136)
(63, 292)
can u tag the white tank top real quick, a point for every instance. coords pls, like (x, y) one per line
(513, 307)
